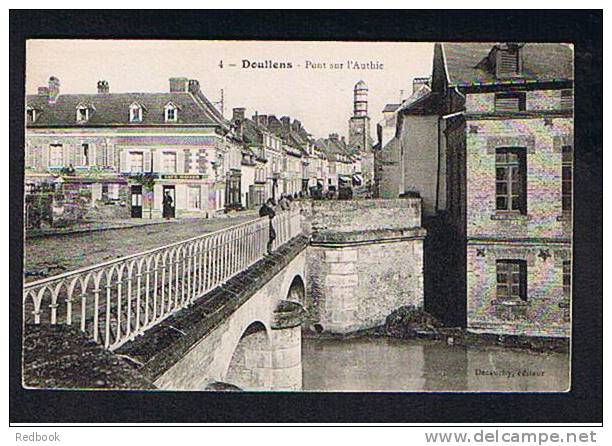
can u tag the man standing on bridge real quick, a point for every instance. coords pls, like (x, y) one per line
(267, 209)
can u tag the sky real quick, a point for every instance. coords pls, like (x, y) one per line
(321, 98)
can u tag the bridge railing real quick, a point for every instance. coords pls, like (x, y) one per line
(117, 300)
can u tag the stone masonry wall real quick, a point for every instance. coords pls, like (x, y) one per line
(356, 287)
(543, 143)
(360, 215)
(365, 260)
(546, 311)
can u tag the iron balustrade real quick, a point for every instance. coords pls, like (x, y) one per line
(118, 300)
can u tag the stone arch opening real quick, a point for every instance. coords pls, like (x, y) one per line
(297, 291)
(251, 365)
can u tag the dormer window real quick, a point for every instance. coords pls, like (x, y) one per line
(135, 113)
(30, 115)
(82, 113)
(508, 60)
(170, 112)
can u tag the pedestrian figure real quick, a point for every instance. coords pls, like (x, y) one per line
(284, 203)
(167, 206)
(268, 210)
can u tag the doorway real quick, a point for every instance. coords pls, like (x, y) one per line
(136, 194)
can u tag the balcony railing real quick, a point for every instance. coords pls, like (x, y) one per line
(118, 300)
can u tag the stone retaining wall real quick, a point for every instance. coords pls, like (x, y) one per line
(365, 260)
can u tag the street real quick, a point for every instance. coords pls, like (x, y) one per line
(52, 255)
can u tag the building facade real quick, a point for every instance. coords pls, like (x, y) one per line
(116, 155)
(489, 149)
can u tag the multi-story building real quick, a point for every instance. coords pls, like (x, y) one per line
(117, 154)
(494, 141)
(340, 162)
(389, 178)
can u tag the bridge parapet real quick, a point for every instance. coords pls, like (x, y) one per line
(116, 301)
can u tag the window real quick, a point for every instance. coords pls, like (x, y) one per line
(193, 197)
(84, 154)
(567, 278)
(511, 280)
(82, 114)
(566, 178)
(169, 160)
(135, 113)
(30, 115)
(170, 112)
(510, 180)
(136, 162)
(510, 102)
(56, 155)
(567, 99)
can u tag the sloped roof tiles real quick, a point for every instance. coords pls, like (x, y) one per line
(541, 62)
(113, 109)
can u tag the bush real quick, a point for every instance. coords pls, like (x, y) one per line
(409, 321)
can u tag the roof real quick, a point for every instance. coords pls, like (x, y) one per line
(541, 61)
(113, 109)
(391, 107)
(333, 148)
(422, 102)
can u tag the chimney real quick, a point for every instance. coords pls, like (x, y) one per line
(261, 120)
(238, 114)
(54, 89)
(418, 82)
(178, 84)
(103, 87)
(333, 137)
(194, 86)
(286, 120)
(238, 125)
(43, 91)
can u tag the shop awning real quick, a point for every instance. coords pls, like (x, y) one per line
(344, 178)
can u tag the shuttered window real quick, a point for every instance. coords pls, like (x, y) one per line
(169, 160)
(509, 102)
(566, 178)
(136, 162)
(567, 278)
(567, 99)
(56, 155)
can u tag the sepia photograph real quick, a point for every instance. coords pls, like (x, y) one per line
(298, 216)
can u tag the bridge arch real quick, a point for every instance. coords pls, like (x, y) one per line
(296, 290)
(250, 366)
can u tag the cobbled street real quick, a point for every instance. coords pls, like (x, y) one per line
(51, 255)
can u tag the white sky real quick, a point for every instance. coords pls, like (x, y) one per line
(321, 99)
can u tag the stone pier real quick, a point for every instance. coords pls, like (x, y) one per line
(365, 260)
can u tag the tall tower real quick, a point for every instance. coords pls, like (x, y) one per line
(359, 141)
(359, 124)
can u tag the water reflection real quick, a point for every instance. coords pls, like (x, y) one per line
(384, 364)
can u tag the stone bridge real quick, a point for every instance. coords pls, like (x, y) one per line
(220, 312)
(246, 334)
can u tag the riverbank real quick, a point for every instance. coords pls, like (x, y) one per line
(456, 336)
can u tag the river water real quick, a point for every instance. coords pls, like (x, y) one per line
(386, 364)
